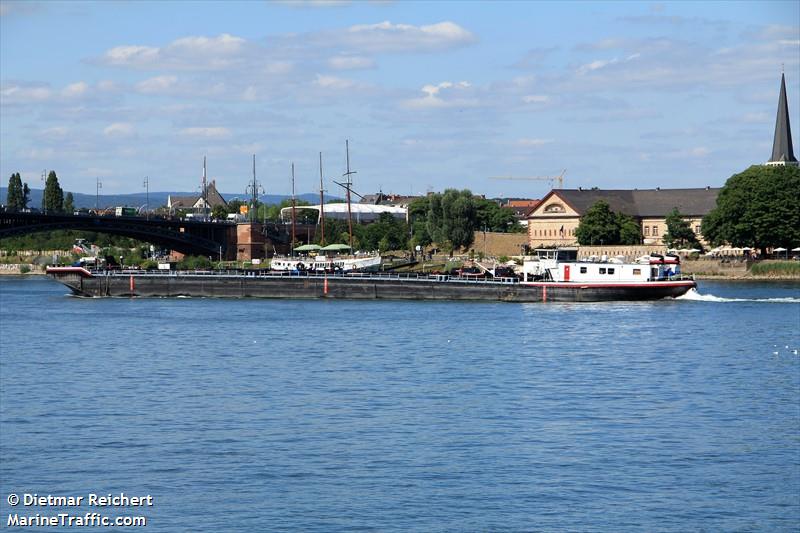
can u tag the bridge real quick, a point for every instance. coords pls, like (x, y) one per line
(185, 236)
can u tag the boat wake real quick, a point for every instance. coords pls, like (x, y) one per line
(693, 295)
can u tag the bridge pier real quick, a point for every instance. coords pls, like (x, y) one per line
(250, 241)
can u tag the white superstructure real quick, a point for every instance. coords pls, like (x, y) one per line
(561, 265)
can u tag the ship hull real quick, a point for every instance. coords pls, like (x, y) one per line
(364, 287)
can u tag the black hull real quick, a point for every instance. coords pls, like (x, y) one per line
(358, 288)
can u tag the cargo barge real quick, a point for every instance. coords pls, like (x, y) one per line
(546, 279)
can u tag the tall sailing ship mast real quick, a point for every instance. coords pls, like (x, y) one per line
(321, 205)
(294, 217)
(348, 187)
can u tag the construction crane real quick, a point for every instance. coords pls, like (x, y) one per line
(551, 179)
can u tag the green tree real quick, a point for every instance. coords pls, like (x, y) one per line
(417, 218)
(14, 196)
(219, 212)
(53, 200)
(493, 217)
(69, 204)
(679, 232)
(630, 232)
(26, 195)
(757, 207)
(599, 225)
(234, 205)
(303, 216)
(450, 219)
(460, 216)
(387, 233)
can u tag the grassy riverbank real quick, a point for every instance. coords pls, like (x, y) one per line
(762, 270)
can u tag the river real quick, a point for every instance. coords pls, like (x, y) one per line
(286, 415)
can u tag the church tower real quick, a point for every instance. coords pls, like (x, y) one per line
(782, 153)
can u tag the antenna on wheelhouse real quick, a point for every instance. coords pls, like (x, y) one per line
(293, 212)
(321, 205)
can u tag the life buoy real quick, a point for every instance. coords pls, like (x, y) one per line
(300, 266)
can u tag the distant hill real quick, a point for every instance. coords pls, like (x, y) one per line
(157, 199)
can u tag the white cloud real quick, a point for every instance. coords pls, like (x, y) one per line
(107, 85)
(40, 153)
(596, 65)
(445, 94)
(222, 44)
(388, 37)
(338, 84)
(536, 99)
(54, 133)
(250, 94)
(186, 53)
(273, 68)
(757, 118)
(350, 63)
(119, 130)
(159, 84)
(332, 82)
(131, 56)
(75, 90)
(533, 142)
(217, 132)
(14, 94)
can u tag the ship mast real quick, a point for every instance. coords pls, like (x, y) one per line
(349, 184)
(293, 211)
(321, 205)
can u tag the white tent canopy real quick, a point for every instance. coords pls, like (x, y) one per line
(361, 212)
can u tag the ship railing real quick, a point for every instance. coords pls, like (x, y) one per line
(410, 277)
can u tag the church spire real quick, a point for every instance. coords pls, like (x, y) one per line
(782, 153)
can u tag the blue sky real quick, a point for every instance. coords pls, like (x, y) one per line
(431, 95)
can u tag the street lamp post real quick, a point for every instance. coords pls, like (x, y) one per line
(97, 196)
(147, 197)
(44, 191)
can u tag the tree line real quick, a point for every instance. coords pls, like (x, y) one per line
(18, 195)
(759, 207)
(447, 220)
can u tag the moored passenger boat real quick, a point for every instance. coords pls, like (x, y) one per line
(328, 259)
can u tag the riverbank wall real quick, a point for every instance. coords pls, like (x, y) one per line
(739, 269)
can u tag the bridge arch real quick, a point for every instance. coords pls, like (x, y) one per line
(186, 237)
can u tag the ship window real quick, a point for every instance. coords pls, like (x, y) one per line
(583, 270)
(602, 270)
(637, 271)
(610, 270)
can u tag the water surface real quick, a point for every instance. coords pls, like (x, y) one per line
(259, 415)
